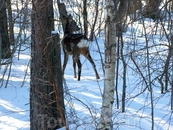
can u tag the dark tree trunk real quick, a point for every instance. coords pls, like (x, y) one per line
(11, 23)
(95, 20)
(120, 17)
(5, 51)
(46, 92)
(85, 15)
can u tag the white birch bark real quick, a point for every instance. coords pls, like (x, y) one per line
(110, 42)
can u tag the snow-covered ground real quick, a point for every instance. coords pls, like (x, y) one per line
(83, 98)
(14, 99)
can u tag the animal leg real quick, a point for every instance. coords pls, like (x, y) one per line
(74, 67)
(88, 56)
(65, 61)
(79, 68)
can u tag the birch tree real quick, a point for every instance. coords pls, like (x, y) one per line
(110, 44)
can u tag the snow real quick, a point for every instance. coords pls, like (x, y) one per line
(54, 32)
(83, 98)
(14, 106)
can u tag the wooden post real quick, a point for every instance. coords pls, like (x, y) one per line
(58, 93)
(63, 14)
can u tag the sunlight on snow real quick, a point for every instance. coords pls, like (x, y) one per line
(90, 95)
(10, 123)
(11, 107)
(23, 56)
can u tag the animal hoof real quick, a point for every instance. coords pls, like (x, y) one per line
(97, 77)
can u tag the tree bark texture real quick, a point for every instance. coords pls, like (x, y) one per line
(85, 15)
(5, 52)
(172, 73)
(46, 92)
(110, 44)
(11, 23)
(95, 20)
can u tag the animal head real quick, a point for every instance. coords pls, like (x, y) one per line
(71, 25)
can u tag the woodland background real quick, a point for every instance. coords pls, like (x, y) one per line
(142, 84)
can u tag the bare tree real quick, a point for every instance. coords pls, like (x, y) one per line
(120, 18)
(95, 20)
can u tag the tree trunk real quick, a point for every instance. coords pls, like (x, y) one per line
(5, 51)
(120, 17)
(149, 84)
(11, 23)
(46, 93)
(95, 20)
(172, 73)
(85, 15)
(110, 44)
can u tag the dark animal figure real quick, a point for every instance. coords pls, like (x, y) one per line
(75, 44)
